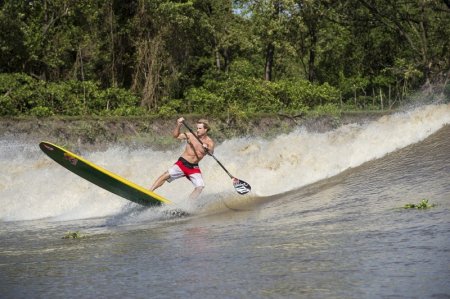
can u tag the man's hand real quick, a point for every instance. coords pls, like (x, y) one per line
(180, 121)
(176, 130)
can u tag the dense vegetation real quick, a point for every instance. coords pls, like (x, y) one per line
(234, 57)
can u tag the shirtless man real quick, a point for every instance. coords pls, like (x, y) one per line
(187, 164)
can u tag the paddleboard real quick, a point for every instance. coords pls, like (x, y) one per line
(102, 177)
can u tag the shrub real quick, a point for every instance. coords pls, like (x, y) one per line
(23, 94)
(7, 106)
(171, 108)
(234, 96)
(41, 111)
(112, 99)
(201, 100)
(327, 109)
(300, 95)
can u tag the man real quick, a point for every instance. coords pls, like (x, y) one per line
(187, 164)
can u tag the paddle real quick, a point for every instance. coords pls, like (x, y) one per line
(240, 186)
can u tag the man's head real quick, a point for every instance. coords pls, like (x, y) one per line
(203, 123)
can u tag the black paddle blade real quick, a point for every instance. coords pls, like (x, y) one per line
(241, 186)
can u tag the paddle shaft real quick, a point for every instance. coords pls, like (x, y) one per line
(207, 151)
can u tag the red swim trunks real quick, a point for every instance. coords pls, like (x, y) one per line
(183, 168)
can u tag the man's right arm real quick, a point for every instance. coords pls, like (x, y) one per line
(176, 131)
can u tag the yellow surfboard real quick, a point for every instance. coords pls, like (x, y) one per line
(102, 177)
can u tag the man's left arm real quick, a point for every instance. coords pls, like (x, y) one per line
(210, 146)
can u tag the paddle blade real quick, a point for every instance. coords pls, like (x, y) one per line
(241, 186)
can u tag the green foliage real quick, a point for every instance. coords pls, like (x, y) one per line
(171, 108)
(238, 93)
(327, 109)
(383, 80)
(405, 72)
(26, 95)
(12, 49)
(113, 98)
(237, 57)
(73, 235)
(40, 111)
(7, 106)
(251, 95)
(301, 95)
(422, 205)
(351, 86)
(202, 101)
(244, 68)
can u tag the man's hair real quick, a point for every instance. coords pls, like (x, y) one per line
(204, 122)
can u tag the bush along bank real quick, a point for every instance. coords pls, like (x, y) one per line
(236, 98)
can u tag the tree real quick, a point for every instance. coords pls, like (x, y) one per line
(306, 32)
(13, 52)
(423, 25)
(269, 19)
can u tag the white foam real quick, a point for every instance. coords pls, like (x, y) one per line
(34, 187)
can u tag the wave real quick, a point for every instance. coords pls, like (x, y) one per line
(34, 187)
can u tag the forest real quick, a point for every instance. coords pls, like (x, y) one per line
(219, 57)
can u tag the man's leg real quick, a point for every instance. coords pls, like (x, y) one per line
(196, 192)
(160, 181)
(197, 180)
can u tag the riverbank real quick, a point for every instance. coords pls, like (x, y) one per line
(152, 131)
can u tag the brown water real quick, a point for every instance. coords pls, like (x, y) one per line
(340, 233)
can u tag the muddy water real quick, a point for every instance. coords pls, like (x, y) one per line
(325, 220)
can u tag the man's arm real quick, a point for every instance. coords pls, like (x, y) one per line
(209, 146)
(176, 131)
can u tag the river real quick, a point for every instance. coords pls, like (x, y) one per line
(325, 219)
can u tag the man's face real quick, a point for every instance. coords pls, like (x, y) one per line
(201, 130)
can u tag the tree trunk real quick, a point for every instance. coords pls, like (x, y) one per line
(112, 36)
(381, 100)
(147, 75)
(217, 55)
(312, 53)
(270, 52)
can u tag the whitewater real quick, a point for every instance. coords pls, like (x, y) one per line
(325, 218)
(34, 187)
